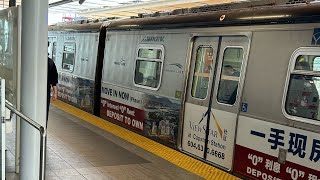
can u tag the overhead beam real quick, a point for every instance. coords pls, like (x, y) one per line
(164, 5)
(137, 6)
(59, 3)
(124, 12)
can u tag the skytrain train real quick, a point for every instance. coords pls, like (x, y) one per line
(234, 85)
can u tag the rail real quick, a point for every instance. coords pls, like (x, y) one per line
(42, 131)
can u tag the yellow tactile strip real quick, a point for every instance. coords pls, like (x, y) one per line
(186, 162)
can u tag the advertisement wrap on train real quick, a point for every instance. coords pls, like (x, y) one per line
(220, 138)
(278, 152)
(76, 91)
(154, 116)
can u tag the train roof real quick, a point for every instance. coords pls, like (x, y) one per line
(231, 14)
(77, 27)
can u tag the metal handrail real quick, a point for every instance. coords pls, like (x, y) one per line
(43, 133)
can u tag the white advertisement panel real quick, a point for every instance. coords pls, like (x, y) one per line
(267, 150)
(221, 134)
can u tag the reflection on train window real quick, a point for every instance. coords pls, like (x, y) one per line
(201, 76)
(6, 46)
(230, 75)
(68, 56)
(303, 91)
(148, 68)
(307, 63)
(54, 50)
(150, 53)
(147, 73)
(316, 64)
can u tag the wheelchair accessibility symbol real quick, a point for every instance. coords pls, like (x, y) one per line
(244, 107)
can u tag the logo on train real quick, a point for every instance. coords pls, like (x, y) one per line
(70, 38)
(220, 131)
(316, 37)
(153, 39)
(174, 67)
(177, 65)
(121, 62)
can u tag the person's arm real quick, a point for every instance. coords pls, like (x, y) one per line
(55, 93)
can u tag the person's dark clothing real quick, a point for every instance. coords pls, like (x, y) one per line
(52, 74)
(52, 81)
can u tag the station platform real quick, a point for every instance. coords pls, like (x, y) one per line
(82, 146)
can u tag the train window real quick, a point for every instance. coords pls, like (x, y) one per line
(54, 50)
(201, 76)
(230, 75)
(68, 56)
(316, 64)
(304, 88)
(150, 53)
(148, 68)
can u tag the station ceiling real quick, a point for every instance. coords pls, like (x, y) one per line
(123, 8)
(117, 8)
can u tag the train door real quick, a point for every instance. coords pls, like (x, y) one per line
(68, 86)
(212, 100)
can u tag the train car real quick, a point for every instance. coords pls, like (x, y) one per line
(75, 55)
(237, 88)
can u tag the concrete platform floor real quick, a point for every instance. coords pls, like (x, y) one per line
(78, 150)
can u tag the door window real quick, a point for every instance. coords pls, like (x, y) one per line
(68, 57)
(54, 50)
(230, 75)
(201, 76)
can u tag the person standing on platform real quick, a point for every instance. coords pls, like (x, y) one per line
(52, 82)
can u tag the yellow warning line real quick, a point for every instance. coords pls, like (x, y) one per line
(186, 162)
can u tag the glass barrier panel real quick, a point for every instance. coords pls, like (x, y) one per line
(9, 52)
(2, 128)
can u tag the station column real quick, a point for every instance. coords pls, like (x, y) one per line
(33, 82)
